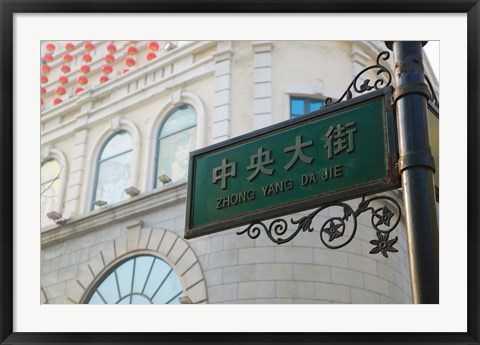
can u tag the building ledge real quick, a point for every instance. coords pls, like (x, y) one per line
(119, 212)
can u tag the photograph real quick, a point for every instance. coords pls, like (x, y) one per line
(271, 184)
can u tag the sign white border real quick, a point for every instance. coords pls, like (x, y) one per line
(449, 316)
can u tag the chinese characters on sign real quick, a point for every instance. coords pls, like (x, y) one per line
(338, 138)
(283, 169)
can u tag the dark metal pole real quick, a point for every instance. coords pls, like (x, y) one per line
(416, 166)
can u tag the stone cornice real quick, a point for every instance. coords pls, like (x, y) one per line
(144, 203)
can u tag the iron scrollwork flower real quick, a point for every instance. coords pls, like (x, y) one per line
(383, 244)
(334, 232)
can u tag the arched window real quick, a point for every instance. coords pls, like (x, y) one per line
(176, 138)
(143, 279)
(50, 188)
(113, 170)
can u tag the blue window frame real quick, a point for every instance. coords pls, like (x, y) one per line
(113, 169)
(176, 138)
(143, 279)
(303, 105)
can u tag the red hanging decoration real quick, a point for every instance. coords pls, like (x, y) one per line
(150, 56)
(78, 90)
(103, 79)
(153, 46)
(112, 48)
(82, 80)
(43, 90)
(109, 58)
(45, 69)
(69, 47)
(84, 69)
(48, 58)
(57, 101)
(130, 62)
(50, 47)
(132, 50)
(63, 80)
(125, 71)
(43, 79)
(88, 46)
(67, 58)
(65, 69)
(107, 69)
(60, 91)
(87, 57)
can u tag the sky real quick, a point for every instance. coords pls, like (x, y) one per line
(432, 49)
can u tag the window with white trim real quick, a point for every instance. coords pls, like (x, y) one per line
(176, 138)
(50, 173)
(113, 170)
(303, 105)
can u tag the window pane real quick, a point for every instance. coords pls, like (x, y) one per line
(96, 299)
(125, 274)
(159, 272)
(297, 107)
(184, 117)
(109, 289)
(49, 171)
(162, 283)
(173, 154)
(142, 268)
(120, 143)
(315, 105)
(49, 189)
(113, 178)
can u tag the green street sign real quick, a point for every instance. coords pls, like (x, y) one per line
(336, 153)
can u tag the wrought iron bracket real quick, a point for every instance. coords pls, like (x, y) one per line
(336, 232)
(366, 85)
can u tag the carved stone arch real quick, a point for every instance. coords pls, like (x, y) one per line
(178, 97)
(51, 152)
(164, 244)
(116, 124)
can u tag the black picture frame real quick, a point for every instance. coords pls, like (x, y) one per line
(10, 7)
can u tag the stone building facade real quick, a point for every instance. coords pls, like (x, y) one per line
(110, 120)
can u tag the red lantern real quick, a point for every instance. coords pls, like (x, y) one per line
(67, 58)
(130, 62)
(78, 90)
(88, 46)
(45, 69)
(43, 90)
(150, 56)
(69, 47)
(65, 69)
(60, 91)
(43, 79)
(125, 71)
(103, 79)
(153, 46)
(84, 69)
(63, 80)
(82, 80)
(107, 69)
(48, 58)
(87, 57)
(57, 101)
(50, 47)
(109, 58)
(41, 102)
(132, 50)
(112, 48)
